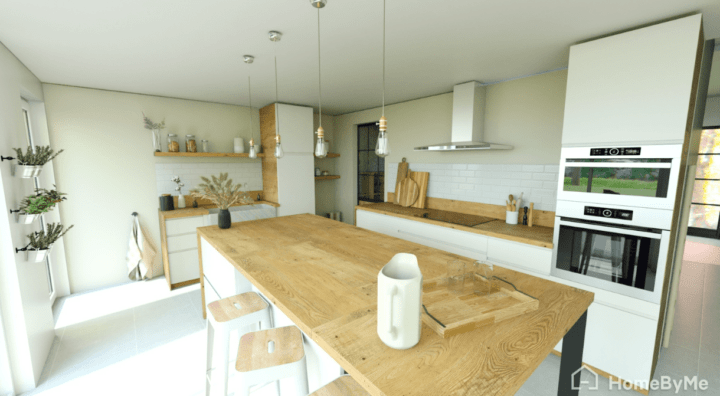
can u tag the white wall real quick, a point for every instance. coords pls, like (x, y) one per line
(189, 174)
(712, 110)
(526, 113)
(108, 168)
(24, 297)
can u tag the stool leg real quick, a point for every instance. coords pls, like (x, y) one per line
(224, 345)
(208, 366)
(242, 388)
(301, 379)
(277, 388)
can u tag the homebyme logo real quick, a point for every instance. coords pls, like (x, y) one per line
(665, 382)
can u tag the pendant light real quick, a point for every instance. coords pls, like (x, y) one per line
(249, 59)
(320, 151)
(382, 148)
(279, 153)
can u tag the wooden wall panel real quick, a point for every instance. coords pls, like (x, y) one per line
(269, 162)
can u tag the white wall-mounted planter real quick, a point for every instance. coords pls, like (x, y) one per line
(37, 256)
(26, 171)
(24, 218)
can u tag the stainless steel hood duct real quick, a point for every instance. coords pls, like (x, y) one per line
(467, 121)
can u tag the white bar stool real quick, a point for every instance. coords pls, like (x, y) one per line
(271, 355)
(228, 315)
(343, 386)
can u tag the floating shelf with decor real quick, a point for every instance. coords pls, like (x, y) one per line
(328, 177)
(185, 154)
(330, 155)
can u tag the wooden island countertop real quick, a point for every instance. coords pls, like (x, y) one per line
(322, 274)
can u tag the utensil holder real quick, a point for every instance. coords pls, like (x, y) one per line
(511, 217)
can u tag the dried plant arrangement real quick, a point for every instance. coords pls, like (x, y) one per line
(39, 157)
(151, 125)
(221, 191)
(42, 240)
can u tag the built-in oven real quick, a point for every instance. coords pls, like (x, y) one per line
(615, 248)
(639, 176)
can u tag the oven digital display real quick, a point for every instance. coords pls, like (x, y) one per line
(615, 151)
(609, 213)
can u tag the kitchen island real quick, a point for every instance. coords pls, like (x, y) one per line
(322, 275)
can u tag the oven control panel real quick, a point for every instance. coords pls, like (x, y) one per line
(615, 151)
(609, 213)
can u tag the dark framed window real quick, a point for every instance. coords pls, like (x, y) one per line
(371, 168)
(705, 208)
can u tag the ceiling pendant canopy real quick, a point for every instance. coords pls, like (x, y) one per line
(320, 150)
(253, 154)
(382, 148)
(279, 153)
(318, 3)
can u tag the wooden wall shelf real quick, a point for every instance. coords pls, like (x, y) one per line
(330, 155)
(183, 154)
(328, 177)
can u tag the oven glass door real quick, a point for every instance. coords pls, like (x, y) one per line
(628, 177)
(610, 258)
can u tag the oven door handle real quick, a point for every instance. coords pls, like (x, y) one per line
(649, 165)
(613, 230)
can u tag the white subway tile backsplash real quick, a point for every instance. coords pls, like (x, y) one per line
(190, 174)
(485, 183)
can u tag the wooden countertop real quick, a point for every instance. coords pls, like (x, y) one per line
(202, 210)
(322, 274)
(535, 235)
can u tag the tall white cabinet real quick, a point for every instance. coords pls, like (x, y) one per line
(289, 180)
(632, 87)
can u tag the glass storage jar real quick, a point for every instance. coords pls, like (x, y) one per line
(173, 145)
(190, 144)
(205, 146)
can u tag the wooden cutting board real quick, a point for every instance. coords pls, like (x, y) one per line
(401, 175)
(421, 178)
(409, 192)
(466, 311)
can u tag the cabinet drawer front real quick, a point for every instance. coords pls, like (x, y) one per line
(181, 242)
(525, 256)
(184, 266)
(185, 225)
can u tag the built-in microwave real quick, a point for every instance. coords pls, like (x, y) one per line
(615, 248)
(637, 176)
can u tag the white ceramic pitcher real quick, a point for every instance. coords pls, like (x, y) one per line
(400, 302)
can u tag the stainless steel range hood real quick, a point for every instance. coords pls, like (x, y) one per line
(467, 121)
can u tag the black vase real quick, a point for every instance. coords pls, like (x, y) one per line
(224, 219)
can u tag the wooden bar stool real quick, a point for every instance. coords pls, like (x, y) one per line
(271, 355)
(228, 315)
(343, 386)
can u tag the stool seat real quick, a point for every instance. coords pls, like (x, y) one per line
(257, 353)
(343, 386)
(234, 307)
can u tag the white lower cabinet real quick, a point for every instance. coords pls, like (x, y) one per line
(619, 343)
(222, 280)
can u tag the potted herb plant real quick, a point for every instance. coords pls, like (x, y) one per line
(41, 242)
(33, 206)
(31, 162)
(223, 193)
(155, 128)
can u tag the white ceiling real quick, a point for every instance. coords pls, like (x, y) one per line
(193, 49)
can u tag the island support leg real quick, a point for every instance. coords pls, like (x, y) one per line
(571, 360)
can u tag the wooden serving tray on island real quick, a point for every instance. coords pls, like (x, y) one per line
(450, 314)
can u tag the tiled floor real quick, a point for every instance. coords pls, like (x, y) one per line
(152, 342)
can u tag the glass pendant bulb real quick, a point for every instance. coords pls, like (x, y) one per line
(279, 153)
(320, 143)
(253, 154)
(382, 147)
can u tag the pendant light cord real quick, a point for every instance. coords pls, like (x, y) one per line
(277, 119)
(252, 133)
(383, 82)
(319, 74)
